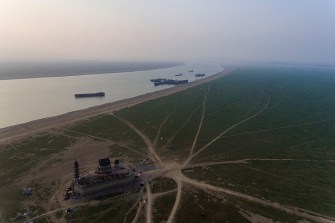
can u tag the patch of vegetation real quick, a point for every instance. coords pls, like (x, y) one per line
(59, 214)
(297, 96)
(18, 157)
(107, 127)
(301, 184)
(105, 212)
(148, 116)
(43, 220)
(310, 142)
(163, 207)
(265, 211)
(10, 201)
(125, 153)
(197, 206)
(162, 184)
(36, 210)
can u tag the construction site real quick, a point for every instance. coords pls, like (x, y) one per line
(107, 179)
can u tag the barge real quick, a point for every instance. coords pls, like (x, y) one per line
(170, 82)
(158, 80)
(97, 94)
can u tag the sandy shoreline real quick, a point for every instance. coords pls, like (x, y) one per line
(29, 71)
(16, 132)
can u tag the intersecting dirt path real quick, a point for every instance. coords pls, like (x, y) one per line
(290, 210)
(230, 128)
(160, 128)
(173, 171)
(147, 141)
(199, 127)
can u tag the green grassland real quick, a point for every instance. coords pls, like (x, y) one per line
(298, 124)
(104, 213)
(206, 208)
(18, 157)
(161, 184)
(162, 207)
(109, 128)
(301, 184)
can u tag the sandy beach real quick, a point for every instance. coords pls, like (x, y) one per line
(20, 131)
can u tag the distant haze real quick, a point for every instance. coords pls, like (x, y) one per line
(138, 30)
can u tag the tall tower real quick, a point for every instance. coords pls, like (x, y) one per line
(76, 170)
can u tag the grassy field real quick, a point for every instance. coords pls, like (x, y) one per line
(288, 150)
(163, 206)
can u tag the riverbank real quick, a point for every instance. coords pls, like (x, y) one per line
(30, 128)
(27, 70)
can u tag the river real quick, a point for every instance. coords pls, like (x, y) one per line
(24, 100)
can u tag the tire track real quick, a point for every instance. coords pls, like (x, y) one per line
(150, 146)
(138, 213)
(183, 125)
(149, 203)
(291, 210)
(177, 201)
(199, 127)
(132, 207)
(230, 128)
(160, 128)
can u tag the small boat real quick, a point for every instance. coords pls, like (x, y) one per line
(200, 75)
(190, 71)
(97, 94)
(178, 75)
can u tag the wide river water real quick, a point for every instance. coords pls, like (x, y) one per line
(24, 100)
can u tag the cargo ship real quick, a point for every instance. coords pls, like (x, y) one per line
(158, 80)
(170, 82)
(97, 94)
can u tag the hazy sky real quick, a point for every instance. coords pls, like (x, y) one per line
(289, 30)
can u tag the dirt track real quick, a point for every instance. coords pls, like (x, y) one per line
(173, 171)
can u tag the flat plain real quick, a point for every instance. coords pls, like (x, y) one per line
(256, 145)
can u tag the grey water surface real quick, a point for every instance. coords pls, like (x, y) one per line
(24, 100)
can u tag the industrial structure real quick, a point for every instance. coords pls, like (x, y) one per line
(106, 179)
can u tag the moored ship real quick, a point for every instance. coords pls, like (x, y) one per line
(170, 82)
(158, 80)
(85, 95)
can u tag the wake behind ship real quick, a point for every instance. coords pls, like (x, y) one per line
(97, 94)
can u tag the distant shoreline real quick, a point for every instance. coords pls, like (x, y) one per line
(16, 132)
(26, 70)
